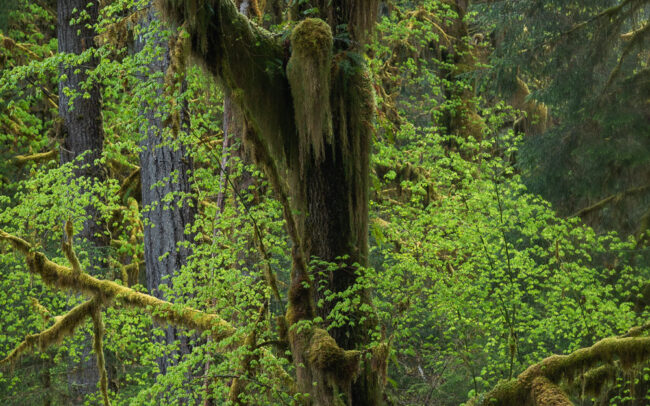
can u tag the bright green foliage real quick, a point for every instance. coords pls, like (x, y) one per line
(486, 278)
(473, 277)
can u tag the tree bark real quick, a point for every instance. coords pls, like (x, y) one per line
(165, 169)
(310, 131)
(82, 132)
(81, 119)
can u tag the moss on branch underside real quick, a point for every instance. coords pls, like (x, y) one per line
(593, 366)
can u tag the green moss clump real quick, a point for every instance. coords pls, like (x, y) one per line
(308, 72)
(509, 393)
(326, 355)
(546, 393)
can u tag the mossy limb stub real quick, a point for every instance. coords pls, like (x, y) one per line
(308, 72)
(327, 356)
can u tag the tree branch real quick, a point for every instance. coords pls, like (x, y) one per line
(62, 328)
(38, 157)
(98, 346)
(63, 277)
(541, 379)
(608, 199)
(609, 12)
(247, 59)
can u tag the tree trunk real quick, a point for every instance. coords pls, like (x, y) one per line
(81, 120)
(310, 131)
(165, 170)
(82, 132)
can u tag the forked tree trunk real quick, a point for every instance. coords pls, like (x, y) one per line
(309, 110)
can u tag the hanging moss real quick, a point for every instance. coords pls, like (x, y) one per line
(196, 15)
(546, 393)
(120, 33)
(557, 368)
(316, 107)
(308, 72)
(355, 18)
(594, 380)
(353, 103)
(179, 50)
(248, 60)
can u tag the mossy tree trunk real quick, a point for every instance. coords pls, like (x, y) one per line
(308, 107)
(165, 171)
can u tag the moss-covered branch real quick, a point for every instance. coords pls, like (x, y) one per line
(540, 380)
(66, 246)
(37, 158)
(62, 328)
(602, 203)
(247, 59)
(63, 277)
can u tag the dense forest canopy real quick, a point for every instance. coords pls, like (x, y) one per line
(279, 202)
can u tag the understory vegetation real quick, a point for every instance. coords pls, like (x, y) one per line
(482, 240)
